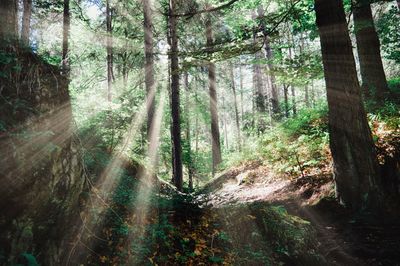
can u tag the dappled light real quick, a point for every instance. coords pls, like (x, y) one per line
(199, 132)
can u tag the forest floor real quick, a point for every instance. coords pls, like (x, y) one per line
(248, 215)
(342, 238)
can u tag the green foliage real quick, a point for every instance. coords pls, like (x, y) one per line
(308, 121)
(394, 87)
(389, 34)
(297, 143)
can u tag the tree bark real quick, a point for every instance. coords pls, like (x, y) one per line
(239, 141)
(285, 94)
(274, 90)
(241, 91)
(66, 32)
(373, 77)
(215, 135)
(8, 20)
(149, 63)
(355, 165)
(188, 137)
(294, 107)
(175, 99)
(26, 22)
(306, 96)
(109, 50)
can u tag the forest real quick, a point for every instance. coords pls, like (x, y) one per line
(199, 132)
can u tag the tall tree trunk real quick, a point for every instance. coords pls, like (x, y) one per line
(66, 32)
(373, 77)
(175, 99)
(274, 90)
(109, 50)
(8, 20)
(224, 124)
(149, 62)
(26, 22)
(239, 141)
(312, 96)
(294, 107)
(306, 96)
(285, 94)
(215, 135)
(188, 138)
(355, 165)
(241, 91)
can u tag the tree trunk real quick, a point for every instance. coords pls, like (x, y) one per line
(355, 165)
(215, 135)
(224, 124)
(241, 91)
(274, 90)
(373, 77)
(8, 20)
(149, 63)
(175, 101)
(26, 22)
(306, 96)
(294, 107)
(109, 50)
(285, 94)
(236, 108)
(66, 32)
(188, 138)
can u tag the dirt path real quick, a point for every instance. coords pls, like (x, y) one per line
(342, 239)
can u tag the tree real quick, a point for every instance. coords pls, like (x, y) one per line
(26, 22)
(175, 98)
(8, 20)
(233, 85)
(215, 135)
(374, 82)
(66, 29)
(109, 44)
(274, 89)
(149, 62)
(188, 137)
(355, 165)
(258, 84)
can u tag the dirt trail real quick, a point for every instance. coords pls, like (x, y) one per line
(342, 239)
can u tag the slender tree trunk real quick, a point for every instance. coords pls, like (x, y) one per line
(26, 22)
(109, 50)
(241, 91)
(175, 99)
(215, 135)
(285, 94)
(188, 138)
(355, 165)
(149, 62)
(312, 94)
(294, 107)
(65, 43)
(306, 96)
(239, 141)
(257, 78)
(373, 77)
(398, 4)
(274, 90)
(224, 124)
